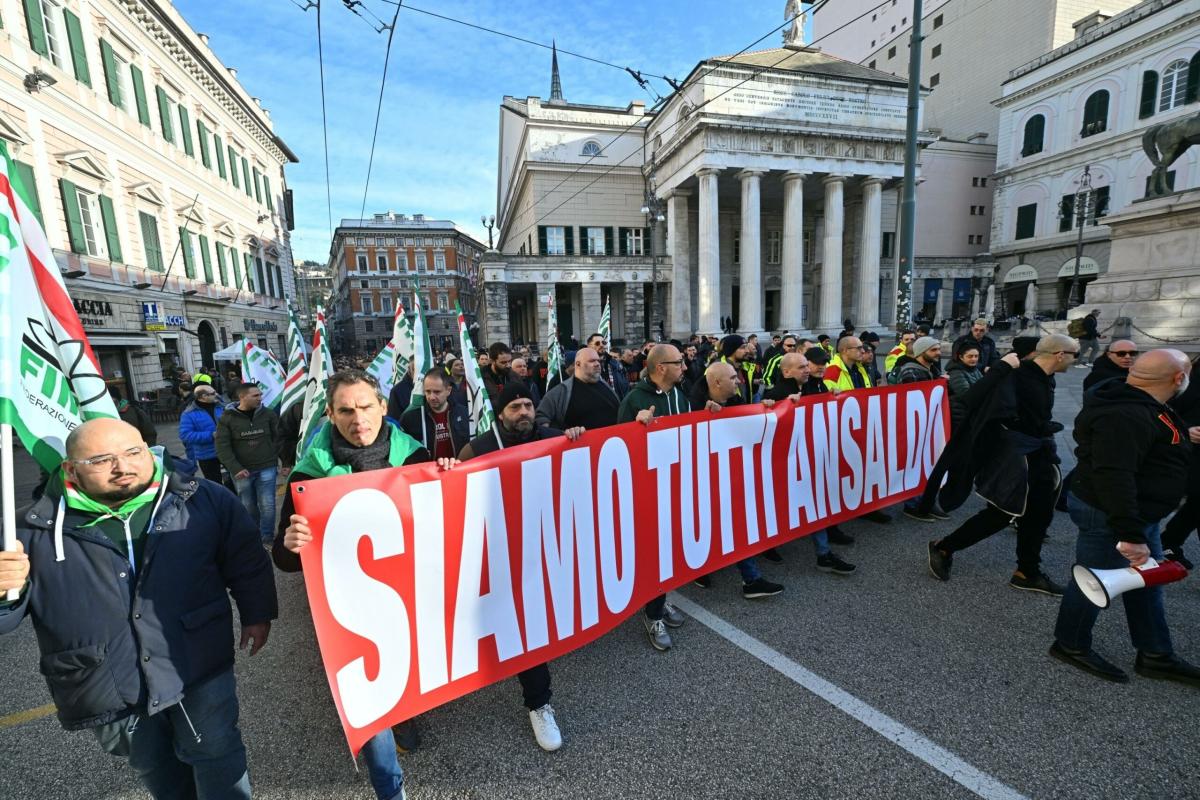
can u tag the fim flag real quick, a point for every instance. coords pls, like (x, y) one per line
(297, 369)
(402, 345)
(605, 327)
(259, 366)
(478, 402)
(554, 354)
(316, 386)
(422, 354)
(382, 368)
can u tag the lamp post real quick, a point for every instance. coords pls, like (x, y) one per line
(1084, 200)
(489, 222)
(653, 209)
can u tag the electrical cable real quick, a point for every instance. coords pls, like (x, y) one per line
(324, 122)
(379, 110)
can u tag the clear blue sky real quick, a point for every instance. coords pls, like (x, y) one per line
(437, 145)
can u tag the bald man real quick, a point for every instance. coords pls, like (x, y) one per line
(1113, 363)
(125, 565)
(581, 401)
(1133, 451)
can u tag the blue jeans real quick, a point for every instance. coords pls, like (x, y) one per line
(383, 765)
(820, 540)
(749, 570)
(1097, 548)
(163, 751)
(257, 493)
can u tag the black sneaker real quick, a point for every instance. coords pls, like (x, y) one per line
(1089, 661)
(1167, 668)
(408, 738)
(831, 563)
(1037, 583)
(1177, 555)
(919, 515)
(939, 562)
(704, 581)
(838, 536)
(937, 512)
(877, 517)
(760, 587)
(772, 555)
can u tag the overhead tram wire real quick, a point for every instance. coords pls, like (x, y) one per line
(324, 122)
(379, 109)
(353, 5)
(717, 96)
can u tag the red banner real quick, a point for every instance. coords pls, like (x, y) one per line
(427, 585)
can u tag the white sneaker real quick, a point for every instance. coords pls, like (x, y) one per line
(545, 728)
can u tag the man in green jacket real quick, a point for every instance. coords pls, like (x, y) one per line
(657, 395)
(248, 442)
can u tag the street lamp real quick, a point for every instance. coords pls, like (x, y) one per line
(489, 222)
(1084, 203)
(653, 209)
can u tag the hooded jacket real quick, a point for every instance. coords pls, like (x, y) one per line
(1133, 454)
(645, 394)
(196, 430)
(112, 638)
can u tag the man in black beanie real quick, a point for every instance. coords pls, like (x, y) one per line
(736, 352)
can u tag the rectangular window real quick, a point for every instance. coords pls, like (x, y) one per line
(381, 262)
(439, 262)
(937, 51)
(983, 182)
(595, 241)
(891, 52)
(385, 304)
(368, 306)
(889, 242)
(934, 80)
(872, 64)
(555, 241)
(89, 216)
(1026, 221)
(443, 303)
(421, 266)
(402, 260)
(774, 247)
(361, 262)
(150, 241)
(975, 182)
(384, 284)
(1099, 204)
(635, 242)
(937, 21)
(53, 32)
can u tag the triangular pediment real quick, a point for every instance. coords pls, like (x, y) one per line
(191, 213)
(225, 229)
(252, 242)
(10, 131)
(273, 251)
(85, 162)
(147, 192)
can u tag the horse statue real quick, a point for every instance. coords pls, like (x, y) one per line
(1164, 144)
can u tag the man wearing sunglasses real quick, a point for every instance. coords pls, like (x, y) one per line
(1114, 363)
(125, 567)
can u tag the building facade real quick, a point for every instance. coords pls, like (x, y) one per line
(314, 287)
(380, 262)
(1087, 105)
(158, 179)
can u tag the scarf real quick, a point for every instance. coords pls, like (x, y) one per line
(361, 459)
(79, 501)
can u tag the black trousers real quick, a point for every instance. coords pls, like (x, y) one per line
(211, 468)
(535, 686)
(1180, 527)
(654, 609)
(1031, 528)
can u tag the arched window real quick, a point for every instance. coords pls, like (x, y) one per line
(1174, 85)
(1035, 134)
(1095, 113)
(591, 149)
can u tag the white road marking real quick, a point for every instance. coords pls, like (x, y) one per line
(931, 753)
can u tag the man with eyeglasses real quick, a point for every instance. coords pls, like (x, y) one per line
(771, 372)
(1118, 357)
(125, 566)
(845, 371)
(1013, 465)
(198, 430)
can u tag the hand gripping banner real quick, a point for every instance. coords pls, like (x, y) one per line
(427, 585)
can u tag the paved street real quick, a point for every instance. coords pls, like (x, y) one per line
(951, 675)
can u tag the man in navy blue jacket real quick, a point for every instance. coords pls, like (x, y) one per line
(125, 565)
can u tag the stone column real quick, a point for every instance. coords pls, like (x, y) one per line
(680, 325)
(635, 314)
(542, 311)
(709, 272)
(750, 310)
(867, 315)
(495, 323)
(831, 269)
(791, 298)
(592, 308)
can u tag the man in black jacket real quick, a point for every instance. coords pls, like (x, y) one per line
(1089, 341)
(1133, 452)
(1113, 363)
(988, 356)
(441, 425)
(583, 400)
(125, 566)
(1014, 465)
(1187, 518)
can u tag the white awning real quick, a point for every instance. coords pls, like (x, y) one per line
(1020, 274)
(1087, 266)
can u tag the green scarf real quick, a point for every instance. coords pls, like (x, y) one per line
(79, 501)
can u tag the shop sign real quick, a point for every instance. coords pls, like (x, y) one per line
(255, 325)
(91, 312)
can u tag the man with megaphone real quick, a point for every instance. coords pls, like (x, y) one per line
(1133, 453)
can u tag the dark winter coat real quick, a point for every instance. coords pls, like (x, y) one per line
(197, 429)
(1103, 369)
(418, 423)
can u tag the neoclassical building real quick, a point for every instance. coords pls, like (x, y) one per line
(753, 194)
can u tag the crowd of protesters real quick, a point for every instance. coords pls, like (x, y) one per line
(159, 616)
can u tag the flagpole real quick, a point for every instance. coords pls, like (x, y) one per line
(7, 496)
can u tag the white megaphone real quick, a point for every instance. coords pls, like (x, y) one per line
(1102, 586)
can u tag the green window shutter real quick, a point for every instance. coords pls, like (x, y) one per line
(150, 240)
(608, 241)
(185, 131)
(233, 172)
(221, 269)
(139, 93)
(541, 240)
(269, 275)
(206, 259)
(219, 149)
(164, 115)
(279, 281)
(74, 219)
(267, 193)
(246, 177)
(37, 27)
(249, 262)
(112, 233)
(569, 239)
(202, 135)
(28, 189)
(257, 185)
(623, 241)
(1026, 221)
(1149, 94)
(189, 258)
(78, 51)
(233, 265)
(111, 79)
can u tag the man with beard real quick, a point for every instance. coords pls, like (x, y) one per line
(611, 370)
(142, 657)
(440, 424)
(515, 426)
(499, 369)
(738, 353)
(1133, 453)
(198, 431)
(582, 401)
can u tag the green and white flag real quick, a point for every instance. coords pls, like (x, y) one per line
(382, 368)
(422, 358)
(605, 329)
(297, 366)
(50, 380)
(402, 344)
(478, 402)
(260, 366)
(316, 386)
(554, 354)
